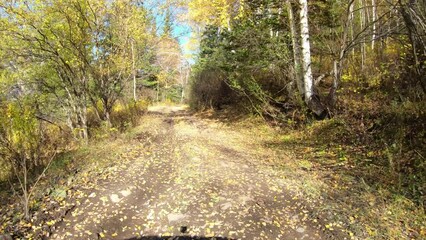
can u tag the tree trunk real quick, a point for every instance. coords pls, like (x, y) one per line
(306, 51)
(24, 186)
(158, 91)
(108, 118)
(296, 50)
(338, 62)
(337, 69)
(311, 99)
(351, 10)
(84, 135)
(269, 16)
(134, 71)
(362, 24)
(107, 108)
(416, 27)
(373, 18)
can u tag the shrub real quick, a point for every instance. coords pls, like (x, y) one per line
(123, 116)
(24, 146)
(128, 114)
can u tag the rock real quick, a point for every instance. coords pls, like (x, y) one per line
(300, 230)
(183, 229)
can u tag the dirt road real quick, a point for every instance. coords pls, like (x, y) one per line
(191, 178)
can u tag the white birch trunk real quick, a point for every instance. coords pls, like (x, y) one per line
(367, 12)
(306, 50)
(351, 10)
(271, 30)
(373, 18)
(362, 24)
(134, 71)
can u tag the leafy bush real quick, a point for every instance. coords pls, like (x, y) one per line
(20, 136)
(24, 146)
(125, 115)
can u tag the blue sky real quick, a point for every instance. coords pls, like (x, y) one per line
(181, 30)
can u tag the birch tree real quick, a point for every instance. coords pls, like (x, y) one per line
(311, 98)
(414, 18)
(306, 51)
(373, 20)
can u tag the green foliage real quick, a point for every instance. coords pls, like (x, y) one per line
(21, 136)
(167, 29)
(173, 93)
(150, 82)
(252, 59)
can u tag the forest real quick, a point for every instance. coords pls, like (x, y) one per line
(268, 109)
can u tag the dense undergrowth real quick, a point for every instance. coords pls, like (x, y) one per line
(373, 165)
(60, 189)
(31, 148)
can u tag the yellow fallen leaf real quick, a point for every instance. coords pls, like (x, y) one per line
(50, 223)
(104, 199)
